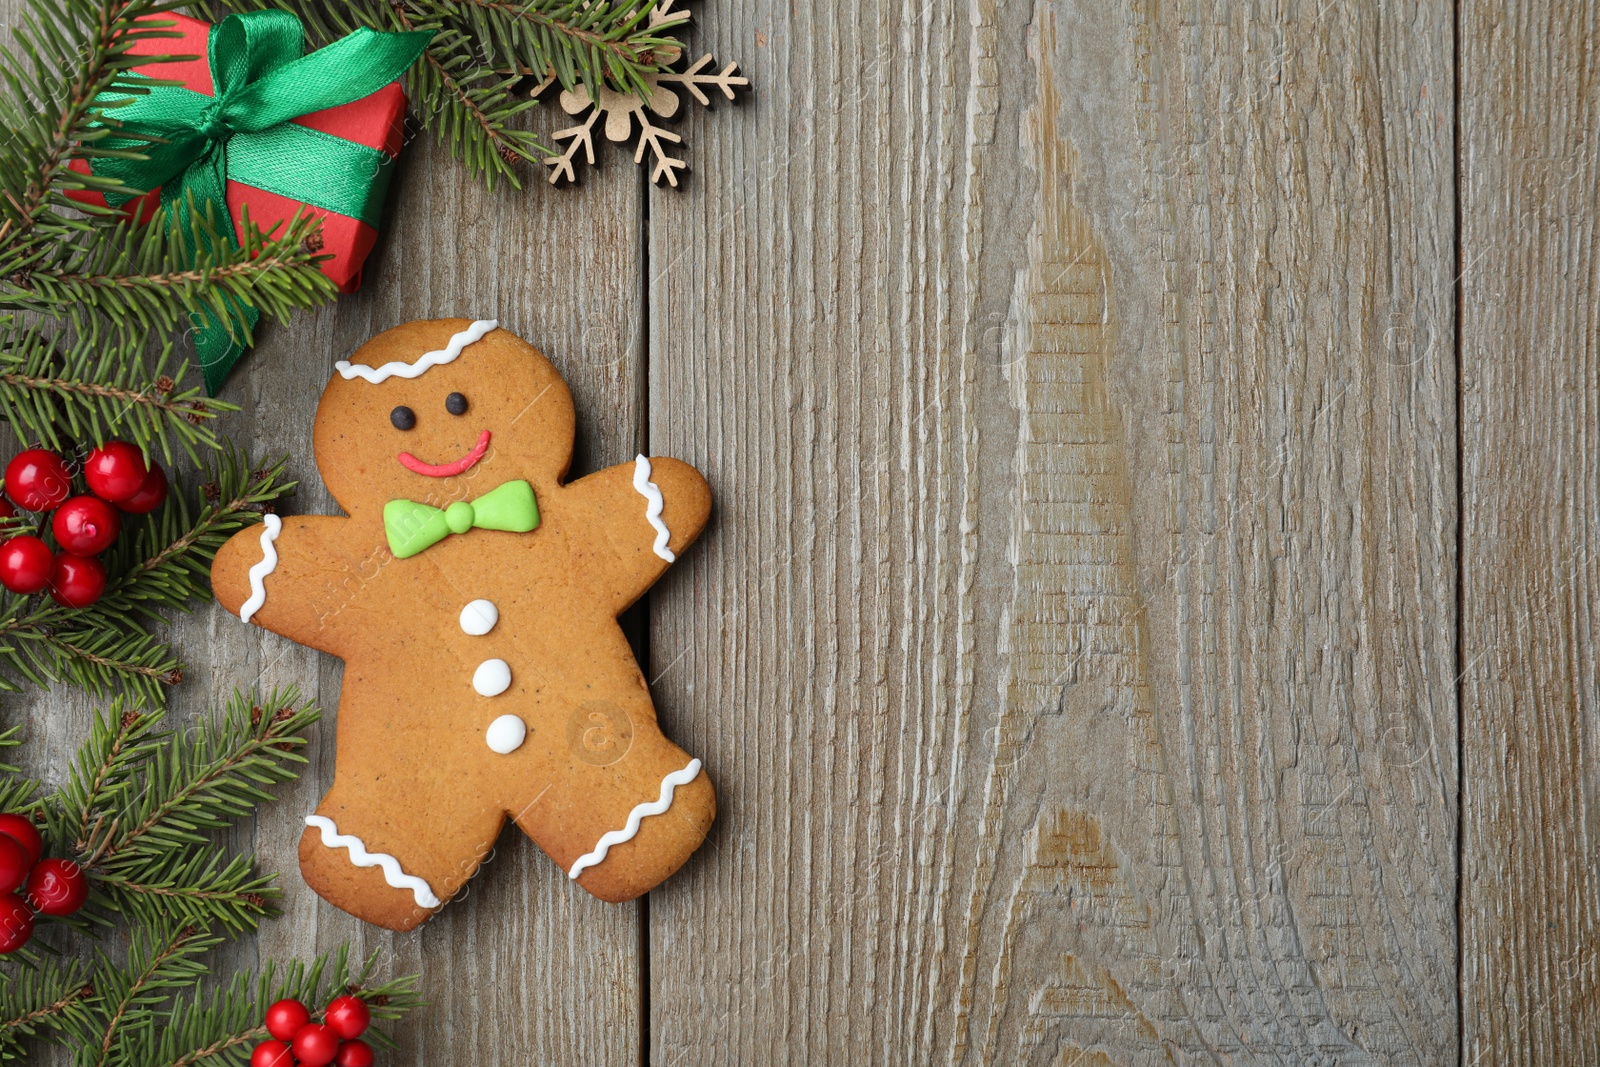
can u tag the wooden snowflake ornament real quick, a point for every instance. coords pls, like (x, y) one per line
(623, 112)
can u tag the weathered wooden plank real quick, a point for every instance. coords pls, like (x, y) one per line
(1073, 647)
(525, 969)
(1530, 876)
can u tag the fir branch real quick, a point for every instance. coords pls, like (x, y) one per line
(99, 390)
(193, 885)
(34, 645)
(190, 411)
(614, 45)
(205, 779)
(201, 1027)
(119, 739)
(152, 276)
(122, 658)
(137, 803)
(160, 960)
(466, 88)
(167, 561)
(474, 112)
(41, 999)
(52, 120)
(46, 645)
(161, 562)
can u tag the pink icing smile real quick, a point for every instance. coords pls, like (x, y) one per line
(445, 470)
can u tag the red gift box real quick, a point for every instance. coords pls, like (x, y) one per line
(374, 121)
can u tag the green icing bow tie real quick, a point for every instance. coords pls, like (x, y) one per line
(412, 527)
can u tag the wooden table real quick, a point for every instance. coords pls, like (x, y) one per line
(1150, 611)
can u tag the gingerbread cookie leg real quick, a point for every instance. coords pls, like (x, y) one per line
(611, 837)
(364, 849)
(657, 837)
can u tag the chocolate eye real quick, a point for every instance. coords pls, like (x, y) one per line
(403, 418)
(455, 404)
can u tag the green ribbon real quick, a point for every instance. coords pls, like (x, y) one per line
(243, 132)
(412, 527)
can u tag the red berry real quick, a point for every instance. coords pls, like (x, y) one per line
(150, 494)
(85, 525)
(7, 511)
(16, 923)
(14, 864)
(37, 479)
(271, 1054)
(25, 564)
(348, 1016)
(285, 1018)
(354, 1053)
(316, 1045)
(20, 828)
(58, 887)
(77, 581)
(115, 471)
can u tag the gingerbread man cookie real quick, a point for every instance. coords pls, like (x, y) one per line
(474, 598)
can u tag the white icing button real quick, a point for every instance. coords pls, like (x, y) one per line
(492, 677)
(479, 617)
(506, 734)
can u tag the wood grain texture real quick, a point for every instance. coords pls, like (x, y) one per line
(524, 968)
(1530, 895)
(1074, 644)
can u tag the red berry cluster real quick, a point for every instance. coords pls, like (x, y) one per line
(84, 526)
(298, 1040)
(48, 886)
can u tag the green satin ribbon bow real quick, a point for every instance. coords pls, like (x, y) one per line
(260, 82)
(412, 527)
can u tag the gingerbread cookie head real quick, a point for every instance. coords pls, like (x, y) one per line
(437, 410)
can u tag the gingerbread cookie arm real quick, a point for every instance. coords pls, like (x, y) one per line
(290, 576)
(636, 518)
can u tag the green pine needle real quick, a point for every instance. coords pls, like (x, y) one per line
(10, 739)
(153, 1007)
(42, 1001)
(162, 962)
(196, 885)
(138, 804)
(120, 283)
(97, 392)
(474, 112)
(121, 739)
(200, 780)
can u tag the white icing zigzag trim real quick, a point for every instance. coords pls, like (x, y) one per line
(653, 505)
(362, 858)
(428, 361)
(271, 527)
(669, 785)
